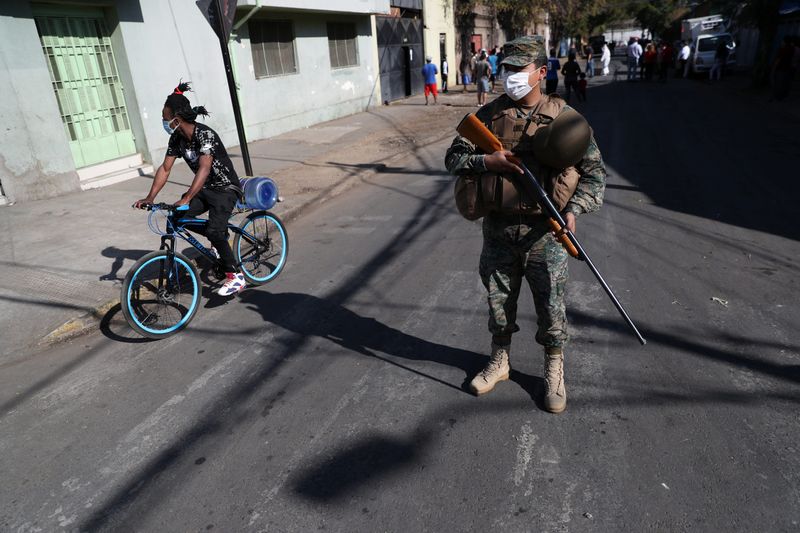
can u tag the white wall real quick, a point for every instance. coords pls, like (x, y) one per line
(316, 93)
(438, 18)
(364, 7)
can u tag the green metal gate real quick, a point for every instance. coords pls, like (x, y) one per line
(77, 48)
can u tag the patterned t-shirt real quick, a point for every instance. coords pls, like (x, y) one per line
(205, 141)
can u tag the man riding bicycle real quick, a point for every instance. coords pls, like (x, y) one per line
(215, 187)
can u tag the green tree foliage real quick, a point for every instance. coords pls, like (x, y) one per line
(659, 17)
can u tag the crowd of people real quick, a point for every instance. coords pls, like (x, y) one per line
(646, 61)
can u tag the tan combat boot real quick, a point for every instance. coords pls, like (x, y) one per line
(497, 370)
(555, 394)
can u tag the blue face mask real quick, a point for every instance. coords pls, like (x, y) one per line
(167, 127)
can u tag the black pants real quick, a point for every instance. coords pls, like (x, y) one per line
(550, 86)
(570, 85)
(219, 205)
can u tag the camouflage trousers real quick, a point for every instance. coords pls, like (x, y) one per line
(517, 247)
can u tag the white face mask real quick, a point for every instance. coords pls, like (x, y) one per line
(516, 85)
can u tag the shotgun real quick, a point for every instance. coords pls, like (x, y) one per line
(472, 129)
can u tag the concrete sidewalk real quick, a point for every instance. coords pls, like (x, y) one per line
(65, 258)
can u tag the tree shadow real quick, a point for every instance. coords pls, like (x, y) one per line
(707, 167)
(350, 468)
(320, 317)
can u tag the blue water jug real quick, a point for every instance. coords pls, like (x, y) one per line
(259, 193)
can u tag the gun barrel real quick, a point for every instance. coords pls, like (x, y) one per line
(540, 194)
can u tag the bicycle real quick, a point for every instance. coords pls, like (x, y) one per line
(161, 291)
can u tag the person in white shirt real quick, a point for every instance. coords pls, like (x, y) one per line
(634, 54)
(605, 59)
(683, 58)
(445, 73)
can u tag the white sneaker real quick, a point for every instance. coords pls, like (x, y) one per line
(232, 285)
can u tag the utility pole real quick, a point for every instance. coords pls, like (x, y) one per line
(221, 21)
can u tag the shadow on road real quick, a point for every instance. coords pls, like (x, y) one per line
(319, 317)
(705, 150)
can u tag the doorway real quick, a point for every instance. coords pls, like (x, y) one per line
(77, 48)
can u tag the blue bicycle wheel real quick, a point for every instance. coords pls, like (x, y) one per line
(160, 294)
(261, 247)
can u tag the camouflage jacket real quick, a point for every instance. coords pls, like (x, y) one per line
(463, 157)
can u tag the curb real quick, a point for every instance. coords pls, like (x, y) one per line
(75, 327)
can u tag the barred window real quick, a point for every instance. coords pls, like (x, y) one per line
(272, 44)
(342, 44)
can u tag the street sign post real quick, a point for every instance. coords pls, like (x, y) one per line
(220, 15)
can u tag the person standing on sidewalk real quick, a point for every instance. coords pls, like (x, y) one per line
(553, 68)
(429, 72)
(605, 59)
(683, 59)
(215, 187)
(720, 59)
(589, 52)
(445, 73)
(571, 71)
(517, 242)
(493, 63)
(634, 54)
(483, 71)
(665, 61)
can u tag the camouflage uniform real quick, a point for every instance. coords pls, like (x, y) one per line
(521, 245)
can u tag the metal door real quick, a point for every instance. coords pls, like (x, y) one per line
(400, 57)
(77, 48)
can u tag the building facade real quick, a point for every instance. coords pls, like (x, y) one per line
(82, 86)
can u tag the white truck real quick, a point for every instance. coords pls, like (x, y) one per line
(704, 35)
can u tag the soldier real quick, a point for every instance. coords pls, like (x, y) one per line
(517, 242)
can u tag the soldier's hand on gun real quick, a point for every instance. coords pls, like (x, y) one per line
(498, 162)
(569, 218)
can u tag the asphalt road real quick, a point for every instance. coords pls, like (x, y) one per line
(332, 399)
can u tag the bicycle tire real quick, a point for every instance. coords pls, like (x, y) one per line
(255, 262)
(142, 313)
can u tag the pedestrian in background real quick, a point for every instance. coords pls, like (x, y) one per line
(553, 67)
(500, 57)
(683, 59)
(649, 58)
(483, 70)
(493, 63)
(445, 73)
(466, 73)
(571, 70)
(582, 86)
(720, 59)
(665, 60)
(605, 59)
(429, 72)
(589, 52)
(634, 54)
(518, 243)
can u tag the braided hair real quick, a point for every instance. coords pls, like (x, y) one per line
(180, 105)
